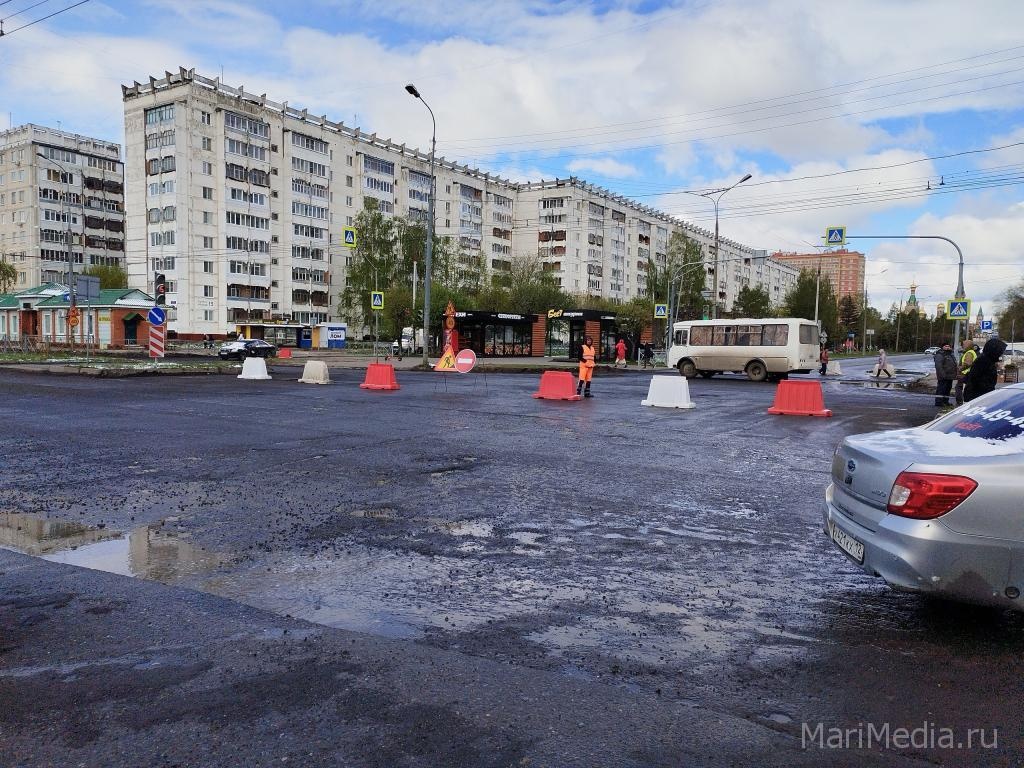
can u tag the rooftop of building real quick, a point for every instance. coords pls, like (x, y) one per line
(41, 134)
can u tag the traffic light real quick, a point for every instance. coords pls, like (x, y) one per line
(160, 288)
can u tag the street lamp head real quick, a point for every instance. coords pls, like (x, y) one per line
(412, 90)
(748, 177)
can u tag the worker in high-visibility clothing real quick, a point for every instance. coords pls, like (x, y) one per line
(970, 354)
(587, 357)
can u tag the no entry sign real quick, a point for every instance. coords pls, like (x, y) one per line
(465, 360)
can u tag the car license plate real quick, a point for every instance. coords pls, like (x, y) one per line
(847, 543)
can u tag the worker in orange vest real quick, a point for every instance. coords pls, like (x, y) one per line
(587, 357)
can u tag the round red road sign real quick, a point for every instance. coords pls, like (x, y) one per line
(465, 360)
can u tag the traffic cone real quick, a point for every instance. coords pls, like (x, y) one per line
(799, 398)
(380, 376)
(556, 385)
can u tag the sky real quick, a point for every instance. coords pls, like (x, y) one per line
(888, 118)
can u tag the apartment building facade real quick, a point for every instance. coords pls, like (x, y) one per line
(844, 269)
(59, 189)
(241, 202)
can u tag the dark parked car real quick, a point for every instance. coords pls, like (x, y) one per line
(247, 348)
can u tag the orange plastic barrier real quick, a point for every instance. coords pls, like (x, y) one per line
(284, 354)
(799, 398)
(557, 385)
(380, 376)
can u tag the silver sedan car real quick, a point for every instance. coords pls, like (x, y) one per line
(938, 509)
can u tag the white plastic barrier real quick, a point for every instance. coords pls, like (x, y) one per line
(255, 368)
(315, 372)
(669, 392)
(833, 369)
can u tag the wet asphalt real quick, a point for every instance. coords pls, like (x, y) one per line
(489, 579)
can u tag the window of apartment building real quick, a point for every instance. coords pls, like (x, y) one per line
(207, 217)
(310, 143)
(160, 114)
(205, 118)
(207, 242)
(378, 185)
(208, 292)
(161, 238)
(308, 166)
(348, 181)
(305, 209)
(304, 230)
(208, 267)
(236, 243)
(56, 177)
(348, 201)
(236, 147)
(348, 221)
(303, 187)
(247, 220)
(348, 160)
(245, 124)
(208, 315)
(207, 169)
(376, 165)
(207, 193)
(207, 144)
(241, 196)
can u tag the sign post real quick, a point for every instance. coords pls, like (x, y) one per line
(157, 332)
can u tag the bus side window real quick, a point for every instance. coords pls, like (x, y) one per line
(680, 338)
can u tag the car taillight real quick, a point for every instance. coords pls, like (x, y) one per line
(924, 496)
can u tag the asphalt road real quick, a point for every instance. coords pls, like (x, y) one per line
(491, 580)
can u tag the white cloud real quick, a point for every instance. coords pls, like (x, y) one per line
(603, 166)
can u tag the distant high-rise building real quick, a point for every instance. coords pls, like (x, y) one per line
(59, 188)
(845, 269)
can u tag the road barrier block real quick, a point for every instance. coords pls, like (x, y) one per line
(255, 368)
(833, 368)
(668, 392)
(557, 385)
(284, 354)
(799, 398)
(380, 376)
(315, 372)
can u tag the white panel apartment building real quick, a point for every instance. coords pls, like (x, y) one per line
(240, 201)
(74, 191)
(596, 242)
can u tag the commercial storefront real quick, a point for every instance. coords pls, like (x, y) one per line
(278, 334)
(499, 334)
(568, 328)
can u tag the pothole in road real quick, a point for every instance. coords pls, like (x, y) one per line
(157, 552)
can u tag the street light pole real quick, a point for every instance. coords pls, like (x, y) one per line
(715, 196)
(429, 247)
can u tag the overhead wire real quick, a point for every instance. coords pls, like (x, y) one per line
(44, 18)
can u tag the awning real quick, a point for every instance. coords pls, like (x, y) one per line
(133, 316)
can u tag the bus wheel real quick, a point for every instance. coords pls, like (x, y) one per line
(756, 371)
(687, 369)
(707, 374)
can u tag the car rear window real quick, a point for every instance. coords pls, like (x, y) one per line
(997, 417)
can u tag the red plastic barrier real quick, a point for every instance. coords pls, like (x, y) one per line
(799, 398)
(380, 376)
(284, 354)
(557, 385)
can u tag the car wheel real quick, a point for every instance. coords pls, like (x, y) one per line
(687, 369)
(756, 371)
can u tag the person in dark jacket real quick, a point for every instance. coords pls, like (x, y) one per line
(982, 376)
(945, 374)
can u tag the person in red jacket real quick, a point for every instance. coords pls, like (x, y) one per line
(620, 353)
(823, 359)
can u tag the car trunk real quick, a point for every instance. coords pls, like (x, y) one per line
(863, 475)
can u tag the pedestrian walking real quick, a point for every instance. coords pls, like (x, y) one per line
(620, 353)
(982, 376)
(823, 359)
(587, 357)
(882, 366)
(970, 354)
(945, 374)
(647, 355)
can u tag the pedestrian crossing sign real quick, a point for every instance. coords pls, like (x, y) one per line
(348, 238)
(835, 236)
(958, 309)
(661, 311)
(377, 300)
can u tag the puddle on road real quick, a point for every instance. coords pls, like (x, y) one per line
(157, 552)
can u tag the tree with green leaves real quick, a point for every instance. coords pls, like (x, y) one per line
(684, 275)
(8, 276)
(799, 301)
(110, 276)
(752, 302)
(849, 316)
(376, 265)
